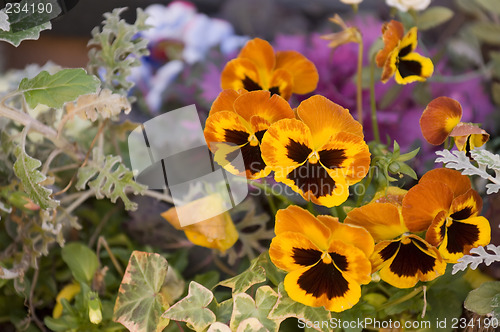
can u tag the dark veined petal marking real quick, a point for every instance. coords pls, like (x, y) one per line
(390, 250)
(404, 51)
(332, 158)
(409, 67)
(339, 260)
(323, 279)
(250, 85)
(260, 134)
(312, 178)
(462, 214)
(237, 137)
(410, 260)
(275, 90)
(306, 257)
(252, 158)
(460, 235)
(297, 152)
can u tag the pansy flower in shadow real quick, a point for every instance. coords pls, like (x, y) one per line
(258, 67)
(398, 57)
(327, 261)
(236, 124)
(444, 204)
(441, 119)
(403, 259)
(320, 155)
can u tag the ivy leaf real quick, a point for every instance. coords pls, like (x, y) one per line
(251, 325)
(433, 17)
(105, 103)
(28, 24)
(480, 300)
(285, 308)
(245, 307)
(139, 305)
(26, 169)
(54, 90)
(112, 180)
(81, 260)
(193, 308)
(218, 327)
(255, 274)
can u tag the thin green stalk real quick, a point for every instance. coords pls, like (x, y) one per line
(405, 298)
(373, 105)
(367, 183)
(359, 83)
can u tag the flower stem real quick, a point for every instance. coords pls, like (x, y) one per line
(359, 83)
(402, 299)
(373, 104)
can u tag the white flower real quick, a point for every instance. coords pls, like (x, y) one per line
(405, 5)
(351, 2)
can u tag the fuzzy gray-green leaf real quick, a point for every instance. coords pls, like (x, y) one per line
(55, 90)
(26, 169)
(112, 179)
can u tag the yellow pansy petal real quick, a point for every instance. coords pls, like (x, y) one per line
(304, 72)
(382, 220)
(241, 74)
(68, 293)
(469, 136)
(350, 258)
(408, 44)
(413, 67)
(297, 219)
(227, 127)
(291, 251)
(286, 145)
(259, 52)
(225, 101)
(346, 154)
(281, 83)
(404, 262)
(325, 118)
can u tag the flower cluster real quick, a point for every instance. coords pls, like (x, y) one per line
(444, 206)
(319, 151)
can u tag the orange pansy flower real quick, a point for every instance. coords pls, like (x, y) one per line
(441, 118)
(444, 204)
(402, 259)
(320, 154)
(326, 260)
(258, 67)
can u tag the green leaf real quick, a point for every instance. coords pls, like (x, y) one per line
(28, 24)
(286, 307)
(251, 325)
(112, 181)
(433, 17)
(255, 274)
(81, 260)
(487, 32)
(219, 327)
(468, 6)
(490, 5)
(26, 169)
(193, 308)
(224, 310)
(63, 324)
(54, 90)
(245, 307)
(139, 305)
(480, 300)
